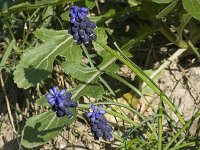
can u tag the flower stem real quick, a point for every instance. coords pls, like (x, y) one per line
(144, 77)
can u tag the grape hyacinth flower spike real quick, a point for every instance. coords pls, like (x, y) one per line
(60, 101)
(81, 28)
(99, 124)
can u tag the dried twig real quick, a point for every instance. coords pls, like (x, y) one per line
(7, 104)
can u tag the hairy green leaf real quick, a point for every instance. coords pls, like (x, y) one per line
(78, 71)
(48, 34)
(192, 7)
(88, 84)
(44, 127)
(37, 63)
(106, 56)
(91, 89)
(88, 80)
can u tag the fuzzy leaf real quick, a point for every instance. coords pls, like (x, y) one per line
(37, 63)
(192, 7)
(48, 34)
(92, 89)
(106, 56)
(44, 127)
(78, 71)
(88, 80)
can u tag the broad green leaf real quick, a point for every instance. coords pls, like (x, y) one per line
(162, 1)
(42, 101)
(101, 34)
(38, 3)
(167, 9)
(42, 128)
(106, 56)
(92, 89)
(88, 76)
(90, 3)
(109, 60)
(65, 16)
(48, 34)
(88, 80)
(90, 86)
(192, 7)
(78, 71)
(37, 63)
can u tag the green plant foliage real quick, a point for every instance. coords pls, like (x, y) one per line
(89, 88)
(36, 63)
(107, 57)
(44, 127)
(38, 3)
(162, 1)
(192, 7)
(167, 9)
(104, 17)
(90, 3)
(5, 4)
(37, 54)
(88, 77)
(65, 16)
(146, 90)
(78, 71)
(42, 101)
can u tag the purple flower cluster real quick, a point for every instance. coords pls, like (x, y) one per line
(81, 28)
(99, 124)
(60, 101)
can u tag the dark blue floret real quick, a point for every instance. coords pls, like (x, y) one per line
(61, 102)
(81, 28)
(99, 124)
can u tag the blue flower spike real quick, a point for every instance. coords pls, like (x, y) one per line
(61, 101)
(81, 28)
(55, 95)
(99, 124)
